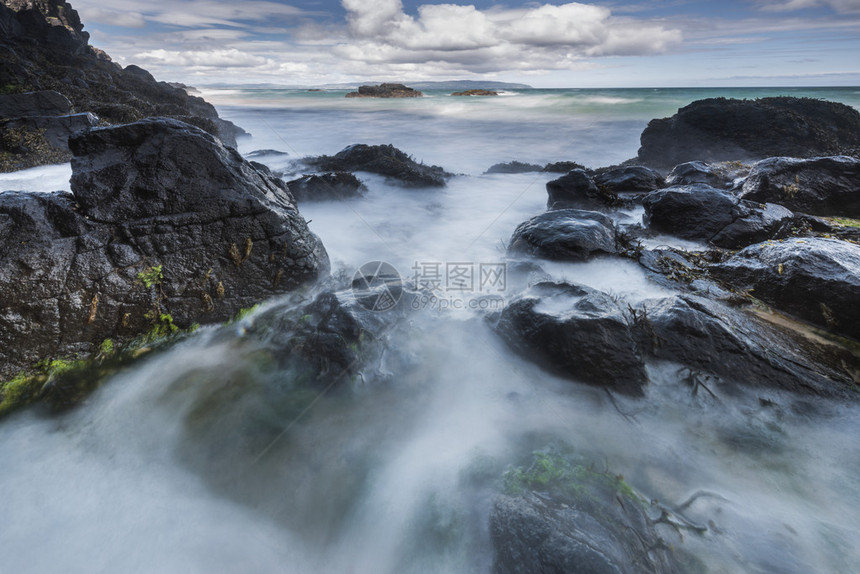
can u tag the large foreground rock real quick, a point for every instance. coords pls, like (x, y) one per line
(700, 212)
(165, 227)
(385, 160)
(565, 235)
(818, 186)
(816, 279)
(576, 332)
(720, 129)
(561, 515)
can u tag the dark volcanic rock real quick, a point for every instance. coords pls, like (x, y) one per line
(562, 167)
(577, 520)
(576, 332)
(44, 103)
(712, 339)
(577, 190)
(702, 213)
(43, 48)
(816, 279)
(166, 226)
(819, 186)
(55, 129)
(720, 129)
(566, 234)
(325, 187)
(385, 160)
(628, 179)
(698, 172)
(514, 167)
(385, 91)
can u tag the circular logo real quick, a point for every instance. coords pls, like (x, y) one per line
(377, 286)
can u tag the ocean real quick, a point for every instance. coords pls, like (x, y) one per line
(398, 476)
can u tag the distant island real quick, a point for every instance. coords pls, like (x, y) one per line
(476, 93)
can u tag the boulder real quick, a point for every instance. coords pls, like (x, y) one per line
(699, 212)
(720, 129)
(561, 515)
(385, 160)
(712, 339)
(691, 172)
(385, 91)
(166, 227)
(55, 129)
(566, 235)
(326, 187)
(576, 332)
(514, 167)
(44, 103)
(816, 279)
(634, 178)
(577, 190)
(818, 186)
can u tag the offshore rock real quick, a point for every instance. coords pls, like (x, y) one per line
(720, 129)
(385, 91)
(384, 160)
(165, 227)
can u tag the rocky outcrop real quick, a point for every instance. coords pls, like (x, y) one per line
(818, 186)
(576, 332)
(165, 227)
(44, 50)
(385, 91)
(577, 190)
(702, 213)
(326, 187)
(720, 129)
(476, 93)
(628, 179)
(720, 175)
(560, 515)
(384, 160)
(565, 235)
(816, 279)
(514, 167)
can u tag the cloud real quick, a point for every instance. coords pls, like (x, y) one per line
(841, 6)
(461, 36)
(229, 58)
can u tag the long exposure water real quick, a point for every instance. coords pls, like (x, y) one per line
(185, 464)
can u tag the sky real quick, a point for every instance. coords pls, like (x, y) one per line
(552, 44)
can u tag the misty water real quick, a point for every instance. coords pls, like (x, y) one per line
(197, 460)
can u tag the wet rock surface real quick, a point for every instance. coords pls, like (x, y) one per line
(702, 213)
(326, 187)
(818, 186)
(165, 227)
(384, 160)
(560, 515)
(577, 190)
(720, 129)
(565, 235)
(577, 332)
(816, 279)
(635, 178)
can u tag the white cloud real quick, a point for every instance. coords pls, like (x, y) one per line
(229, 58)
(841, 6)
(540, 37)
